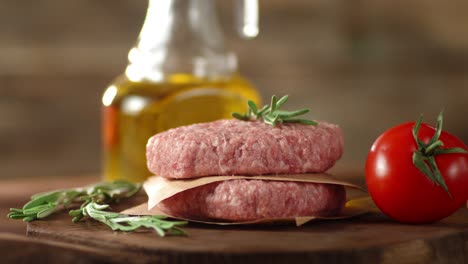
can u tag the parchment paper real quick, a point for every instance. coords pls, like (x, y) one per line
(160, 188)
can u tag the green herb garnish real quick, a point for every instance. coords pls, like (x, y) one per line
(271, 114)
(94, 200)
(128, 223)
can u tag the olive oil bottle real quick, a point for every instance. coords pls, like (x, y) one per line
(179, 73)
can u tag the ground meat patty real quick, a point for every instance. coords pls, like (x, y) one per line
(234, 147)
(244, 200)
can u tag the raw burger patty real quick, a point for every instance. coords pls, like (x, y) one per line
(234, 147)
(244, 200)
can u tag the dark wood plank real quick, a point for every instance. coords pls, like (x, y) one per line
(369, 239)
(40, 251)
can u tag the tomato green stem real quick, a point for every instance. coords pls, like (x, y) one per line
(432, 147)
(424, 157)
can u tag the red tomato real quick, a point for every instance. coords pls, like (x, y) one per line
(401, 190)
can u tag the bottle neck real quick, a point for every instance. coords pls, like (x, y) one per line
(180, 37)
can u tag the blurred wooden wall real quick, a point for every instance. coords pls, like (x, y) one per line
(364, 64)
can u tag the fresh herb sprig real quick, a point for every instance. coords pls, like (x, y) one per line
(94, 200)
(44, 204)
(271, 114)
(123, 222)
(424, 156)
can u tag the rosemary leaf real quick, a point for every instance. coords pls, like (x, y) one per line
(127, 223)
(253, 106)
(281, 101)
(273, 104)
(288, 114)
(302, 121)
(272, 115)
(262, 111)
(93, 201)
(240, 116)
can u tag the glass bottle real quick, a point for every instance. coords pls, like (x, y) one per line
(179, 73)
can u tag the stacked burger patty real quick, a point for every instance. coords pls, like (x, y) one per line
(234, 147)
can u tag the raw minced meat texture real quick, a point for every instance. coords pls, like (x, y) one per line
(247, 200)
(234, 147)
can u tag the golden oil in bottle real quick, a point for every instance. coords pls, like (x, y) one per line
(135, 111)
(180, 72)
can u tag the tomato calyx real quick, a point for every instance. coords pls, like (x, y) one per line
(424, 157)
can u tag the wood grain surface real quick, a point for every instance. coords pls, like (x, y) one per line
(369, 239)
(372, 238)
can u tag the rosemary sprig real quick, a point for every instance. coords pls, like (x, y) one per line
(128, 223)
(94, 200)
(271, 114)
(42, 205)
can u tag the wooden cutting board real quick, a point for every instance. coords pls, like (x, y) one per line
(371, 238)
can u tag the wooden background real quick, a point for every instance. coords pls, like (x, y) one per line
(364, 64)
